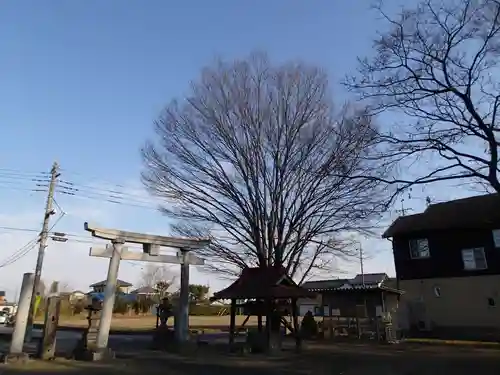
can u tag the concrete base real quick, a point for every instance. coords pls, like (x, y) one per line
(186, 347)
(94, 355)
(163, 338)
(21, 358)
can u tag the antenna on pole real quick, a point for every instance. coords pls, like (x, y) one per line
(403, 210)
(361, 264)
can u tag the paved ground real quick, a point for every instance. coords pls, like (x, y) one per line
(316, 358)
(341, 359)
(67, 340)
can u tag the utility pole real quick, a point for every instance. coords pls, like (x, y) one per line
(54, 174)
(361, 264)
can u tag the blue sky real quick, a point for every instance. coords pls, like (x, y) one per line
(82, 81)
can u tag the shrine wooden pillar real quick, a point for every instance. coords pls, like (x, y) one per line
(268, 307)
(298, 341)
(232, 322)
(259, 316)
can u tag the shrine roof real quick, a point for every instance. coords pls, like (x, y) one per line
(263, 282)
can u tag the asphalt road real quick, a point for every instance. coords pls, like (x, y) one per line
(67, 340)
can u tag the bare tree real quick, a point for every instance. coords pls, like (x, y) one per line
(65, 287)
(257, 158)
(153, 274)
(437, 65)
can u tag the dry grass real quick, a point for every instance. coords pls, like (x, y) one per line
(139, 323)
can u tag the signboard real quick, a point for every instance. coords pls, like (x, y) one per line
(38, 299)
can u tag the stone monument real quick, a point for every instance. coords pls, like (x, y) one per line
(163, 337)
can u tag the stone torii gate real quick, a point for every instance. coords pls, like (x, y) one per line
(151, 244)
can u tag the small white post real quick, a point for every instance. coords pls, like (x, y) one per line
(109, 296)
(18, 336)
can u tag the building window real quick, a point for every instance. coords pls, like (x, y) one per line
(474, 259)
(419, 248)
(496, 237)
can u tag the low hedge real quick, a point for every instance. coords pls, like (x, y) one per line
(208, 310)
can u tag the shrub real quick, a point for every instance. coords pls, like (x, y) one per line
(121, 306)
(146, 305)
(207, 310)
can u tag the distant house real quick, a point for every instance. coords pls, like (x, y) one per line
(447, 261)
(145, 291)
(74, 296)
(122, 286)
(342, 297)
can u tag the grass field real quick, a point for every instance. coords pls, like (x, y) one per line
(140, 323)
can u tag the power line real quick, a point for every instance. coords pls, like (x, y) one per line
(19, 229)
(22, 181)
(101, 190)
(21, 188)
(21, 176)
(105, 190)
(93, 178)
(119, 200)
(20, 253)
(39, 181)
(24, 250)
(18, 171)
(72, 186)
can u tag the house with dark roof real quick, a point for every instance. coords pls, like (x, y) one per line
(122, 286)
(365, 296)
(447, 260)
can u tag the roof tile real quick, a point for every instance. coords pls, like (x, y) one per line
(467, 213)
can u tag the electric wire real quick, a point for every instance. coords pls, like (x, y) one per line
(123, 201)
(18, 229)
(20, 253)
(12, 179)
(99, 190)
(27, 248)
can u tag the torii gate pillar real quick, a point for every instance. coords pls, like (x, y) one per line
(151, 244)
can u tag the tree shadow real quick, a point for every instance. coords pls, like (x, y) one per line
(323, 359)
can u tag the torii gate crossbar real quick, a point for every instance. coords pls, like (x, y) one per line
(151, 244)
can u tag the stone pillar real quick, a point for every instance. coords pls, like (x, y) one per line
(47, 346)
(87, 348)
